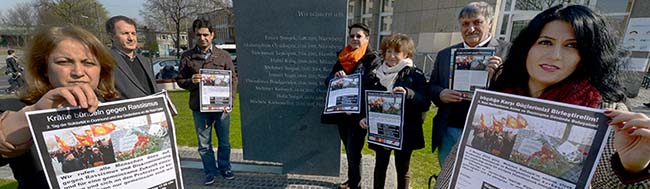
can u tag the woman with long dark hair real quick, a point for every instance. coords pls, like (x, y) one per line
(567, 54)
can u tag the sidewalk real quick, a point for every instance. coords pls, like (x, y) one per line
(251, 174)
(268, 176)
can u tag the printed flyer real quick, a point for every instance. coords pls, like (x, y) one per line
(385, 116)
(343, 95)
(215, 90)
(512, 141)
(468, 69)
(123, 144)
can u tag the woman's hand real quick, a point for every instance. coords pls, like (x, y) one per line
(631, 138)
(16, 139)
(78, 95)
(399, 90)
(363, 123)
(340, 74)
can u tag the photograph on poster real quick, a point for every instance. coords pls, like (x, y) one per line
(555, 148)
(345, 83)
(78, 148)
(385, 105)
(343, 95)
(215, 80)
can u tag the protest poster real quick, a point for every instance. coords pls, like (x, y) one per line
(123, 144)
(214, 90)
(513, 141)
(468, 69)
(343, 95)
(385, 116)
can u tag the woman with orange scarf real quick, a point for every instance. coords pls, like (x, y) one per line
(356, 57)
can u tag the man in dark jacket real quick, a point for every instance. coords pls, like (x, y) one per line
(134, 75)
(475, 20)
(205, 56)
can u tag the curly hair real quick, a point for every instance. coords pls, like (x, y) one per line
(400, 42)
(44, 42)
(597, 48)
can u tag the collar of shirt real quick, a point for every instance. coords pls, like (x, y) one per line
(126, 55)
(481, 44)
(204, 54)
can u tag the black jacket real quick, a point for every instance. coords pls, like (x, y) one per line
(415, 107)
(126, 82)
(369, 62)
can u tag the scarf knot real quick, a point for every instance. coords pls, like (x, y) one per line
(348, 58)
(387, 75)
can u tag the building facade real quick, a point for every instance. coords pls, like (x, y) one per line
(161, 42)
(433, 24)
(223, 22)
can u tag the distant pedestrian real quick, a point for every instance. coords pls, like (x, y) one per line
(14, 71)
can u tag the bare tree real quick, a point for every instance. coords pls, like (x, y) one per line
(88, 14)
(22, 19)
(538, 4)
(175, 15)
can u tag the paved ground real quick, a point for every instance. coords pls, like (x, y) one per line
(250, 174)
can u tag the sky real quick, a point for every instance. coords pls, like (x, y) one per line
(129, 8)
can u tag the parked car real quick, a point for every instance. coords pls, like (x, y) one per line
(165, 68)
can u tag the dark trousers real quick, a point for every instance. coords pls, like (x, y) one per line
(402, 160)
(353, 137)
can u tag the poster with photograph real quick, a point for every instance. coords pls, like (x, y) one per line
(214, 90)
(637, 35)
(468, 69)
(343, 95)
(385, 116)
(512, 141)
(123, 144)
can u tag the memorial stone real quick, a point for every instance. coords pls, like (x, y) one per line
(285, 51)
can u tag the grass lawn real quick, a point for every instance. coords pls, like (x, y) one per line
(8, 183)
(423, 162)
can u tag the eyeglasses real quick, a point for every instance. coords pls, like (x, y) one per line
(352, 36)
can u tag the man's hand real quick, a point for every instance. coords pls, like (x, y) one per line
(196, 78)
(493, 63)
(449, 96)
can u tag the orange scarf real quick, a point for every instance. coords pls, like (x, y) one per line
(349, 57)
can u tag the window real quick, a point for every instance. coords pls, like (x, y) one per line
(387, 6)
(365, 21)
(617, 25)
(351, 9)
(386, 22)
(504, 26)
(613, 6)
(517, 26)
(536, 5)
(367, 6)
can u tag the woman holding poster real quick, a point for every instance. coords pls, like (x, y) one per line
(399, 75)
(356, 57)
(66, 66)
(567, 54)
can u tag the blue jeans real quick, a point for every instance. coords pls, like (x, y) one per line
(203, 123)
(448, 141)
